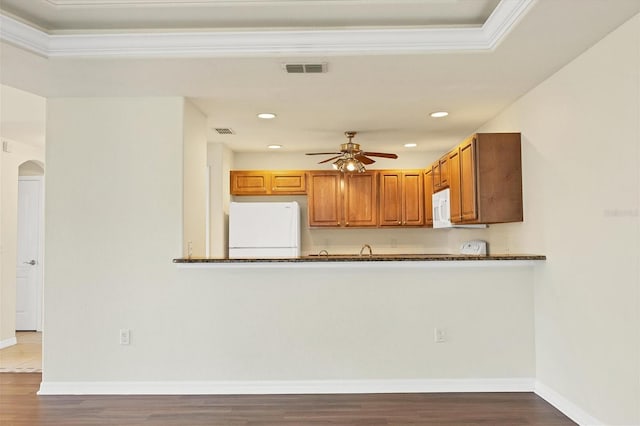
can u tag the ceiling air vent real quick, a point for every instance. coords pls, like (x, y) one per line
(224, 131)
(305, 68)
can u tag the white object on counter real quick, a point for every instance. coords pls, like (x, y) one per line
(264, 230)
(474, 247)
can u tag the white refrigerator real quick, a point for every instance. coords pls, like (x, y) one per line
(264, 230)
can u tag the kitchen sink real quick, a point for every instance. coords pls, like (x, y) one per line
(380, 255)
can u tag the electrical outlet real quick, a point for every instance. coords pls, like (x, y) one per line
(125, 336)
(439, 335)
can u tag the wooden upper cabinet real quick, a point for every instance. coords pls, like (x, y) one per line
(390, 198)
(441, 173)
(325, 199)
(266, 182)
(338, 199)
(428, 199)
(444, 171)
(490, 187)
(454, 184)
(467, 194)
(250, 182)
(401, 198)
(361, 199)
(412, 198)
(288, 182)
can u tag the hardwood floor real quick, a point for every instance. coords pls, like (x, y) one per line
(19, 405)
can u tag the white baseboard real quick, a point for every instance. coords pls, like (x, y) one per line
(567, 407)
(8, 342)
(287, 387)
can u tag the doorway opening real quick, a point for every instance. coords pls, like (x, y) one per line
(26, 355)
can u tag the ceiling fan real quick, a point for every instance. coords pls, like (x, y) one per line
(351, 158)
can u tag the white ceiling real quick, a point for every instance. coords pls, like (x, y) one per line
(384, 94)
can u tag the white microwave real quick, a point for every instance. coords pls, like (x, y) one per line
(442, 211)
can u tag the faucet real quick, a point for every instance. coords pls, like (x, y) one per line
(366, 246)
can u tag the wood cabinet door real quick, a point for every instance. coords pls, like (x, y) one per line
(412, 198)
(361, 199)
(468, 194)
(435, 168)
(288, 183)
(249, 182)
(428, 199)
(454, 185)
(324, 199)
(390, 198)
(444, 171)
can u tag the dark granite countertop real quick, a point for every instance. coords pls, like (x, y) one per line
(373, 258)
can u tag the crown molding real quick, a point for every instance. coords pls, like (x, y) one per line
(264, 42)
(24, 36)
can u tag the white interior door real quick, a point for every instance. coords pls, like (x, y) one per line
(28, 268)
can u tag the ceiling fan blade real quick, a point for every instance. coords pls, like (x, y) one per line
(323, 153)
(364, 160)
(380, 154)
(329, 159)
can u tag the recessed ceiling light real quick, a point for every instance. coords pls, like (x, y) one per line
(266, 115)
(274, 146)
(410, 145)
(439, 114)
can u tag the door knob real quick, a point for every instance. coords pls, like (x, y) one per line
(32, 262)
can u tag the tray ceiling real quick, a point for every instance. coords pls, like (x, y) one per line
(55, 16)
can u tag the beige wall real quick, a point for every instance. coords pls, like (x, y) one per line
(113, 228)
(195, 180)
(581, 162)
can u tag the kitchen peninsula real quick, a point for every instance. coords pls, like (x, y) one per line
(383, 258)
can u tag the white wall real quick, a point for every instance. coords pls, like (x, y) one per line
(581, 162)
(22, 116)
(282, 160)
(220, 161)
(114, 224)
(195, 181)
